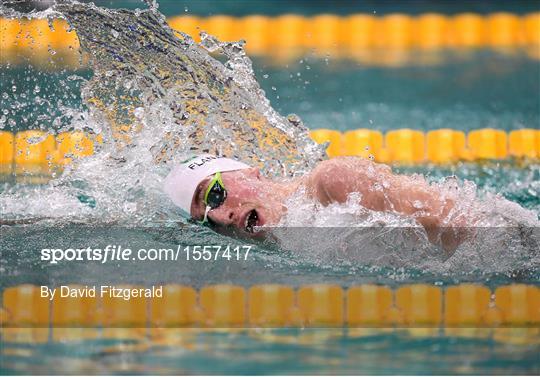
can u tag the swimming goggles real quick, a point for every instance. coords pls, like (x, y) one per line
(214, 196)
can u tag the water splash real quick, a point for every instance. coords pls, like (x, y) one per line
(155, 95)
(205, 105)
(501, 236)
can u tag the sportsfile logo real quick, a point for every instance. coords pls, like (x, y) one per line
(119, 253)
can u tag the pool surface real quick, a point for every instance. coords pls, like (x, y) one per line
(92, 205)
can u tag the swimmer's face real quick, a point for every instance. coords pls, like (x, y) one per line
(249, 202)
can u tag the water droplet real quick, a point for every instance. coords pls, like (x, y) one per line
(418, 204)
(50, 22)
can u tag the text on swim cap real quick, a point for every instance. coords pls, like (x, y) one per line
(201, 162)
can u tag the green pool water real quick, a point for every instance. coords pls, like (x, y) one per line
(318, 352)
(465, 92)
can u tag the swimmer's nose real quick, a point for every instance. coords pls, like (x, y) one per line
(222, 216)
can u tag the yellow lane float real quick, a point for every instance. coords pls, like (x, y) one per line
(335, 148)
(34, 156)
(223, 305)
(271, 305)
(440, 146)
(348, 36)
(7, 151)
(369, 305)
(445, 146)
(488, 143)
(362, 142)
(321, 305)
(405, 145)
(524, 143)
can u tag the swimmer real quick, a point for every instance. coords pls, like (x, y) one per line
(226, 193)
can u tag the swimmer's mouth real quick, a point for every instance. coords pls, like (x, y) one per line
(252, 220)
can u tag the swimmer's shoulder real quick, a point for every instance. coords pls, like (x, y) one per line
(345, 166)
(332, 180)
(326, 182)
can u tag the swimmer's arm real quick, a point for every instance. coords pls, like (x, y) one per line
(381, 190)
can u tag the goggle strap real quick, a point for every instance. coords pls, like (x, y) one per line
(206, 211)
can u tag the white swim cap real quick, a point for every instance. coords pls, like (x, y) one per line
(182, 181)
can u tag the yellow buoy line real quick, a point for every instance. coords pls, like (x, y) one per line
(271, 305)
(342, 36)
(437, 146)
(34, 156)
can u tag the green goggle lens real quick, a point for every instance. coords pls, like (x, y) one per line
(215, 193)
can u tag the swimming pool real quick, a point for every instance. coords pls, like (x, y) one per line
(464, 91)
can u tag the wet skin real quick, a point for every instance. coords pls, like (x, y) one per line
(254, 200)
